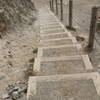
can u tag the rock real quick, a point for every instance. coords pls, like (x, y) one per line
(10, 56)
(31, 60)
(79, 38)
(13, 90)
(10, 64)
(20, 82)
(15, 95)
(6, 96)
(2, 77)
(24, 46)
(24, 90)
(9, 87)
(23, 98)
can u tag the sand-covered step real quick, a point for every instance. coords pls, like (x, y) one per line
(47, 15)
(58, 41)
(53, 20)
(51, 27)
(50, 24)
(43, 22)
(51, 31)
(54, 36)
(62, 65)
(63, 50)
(65, 87)
(49, 19)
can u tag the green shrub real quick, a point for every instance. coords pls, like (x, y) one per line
(35, 50)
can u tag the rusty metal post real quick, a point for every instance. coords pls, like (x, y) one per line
(56, 7)
(61, 7)
(92, 28)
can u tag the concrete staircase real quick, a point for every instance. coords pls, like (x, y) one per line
(63, 71)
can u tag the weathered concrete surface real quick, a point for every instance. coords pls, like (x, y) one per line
(66, 60)
(63, 87)
(63, 65)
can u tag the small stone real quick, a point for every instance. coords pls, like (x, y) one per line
(13, 90)
(18, 82)
(24, 90)
(24, 46)
(10, 56)
(79, 38)
(23, 98)
(15, 95)
(6, 96)
(2, 77)
(8, 42)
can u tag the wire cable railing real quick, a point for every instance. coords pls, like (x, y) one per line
(73, 13)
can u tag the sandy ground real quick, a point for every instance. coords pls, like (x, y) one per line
(16, 50)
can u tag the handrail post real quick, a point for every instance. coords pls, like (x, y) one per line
(70, 13)
(61, 4)
(70, 26)
(52, 2)
(56, 7)
(92, 29)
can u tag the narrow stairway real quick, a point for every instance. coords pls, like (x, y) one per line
(63, 71)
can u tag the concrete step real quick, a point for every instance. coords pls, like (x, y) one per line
(65, 87)
(46, 22)
(51, 27)
(55, 36)
(57, 51)
(50, 24)
(48, 19)
(58, 41)
(53, 31)
(62, 65)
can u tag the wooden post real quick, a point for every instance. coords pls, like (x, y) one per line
(61, 4)
(52, 1)
(70, 26)
(50, 4)
(92, 28)
(70, 13)
(56, 7)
